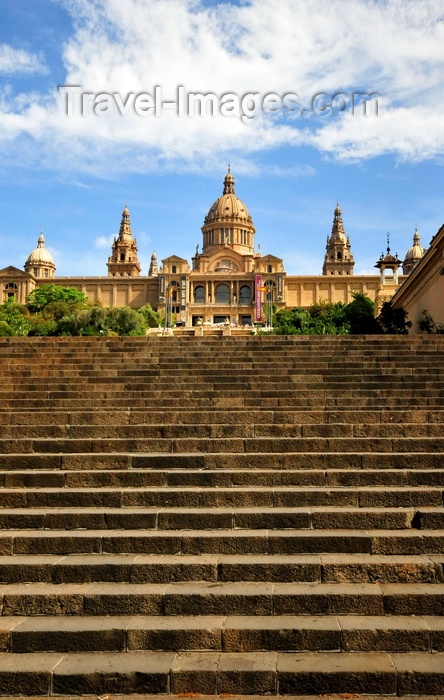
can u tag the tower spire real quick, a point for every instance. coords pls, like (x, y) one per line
(123, 261)
(338, 257)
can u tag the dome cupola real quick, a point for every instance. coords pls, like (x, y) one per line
(413, 255)
(40, 262)
(228, 222)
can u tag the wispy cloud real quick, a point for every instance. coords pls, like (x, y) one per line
(16, 61)
(328, 46)
(104, 241)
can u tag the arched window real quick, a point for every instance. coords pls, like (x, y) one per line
(11, 290)
(339, 255)
(174, 269)
(122, 257)
(245, 295)
(223, 294)
(269, 268)
(199, 295)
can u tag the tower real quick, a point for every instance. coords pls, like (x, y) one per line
(40, 262)
(154, 267)
(123, 261)
(338, 258)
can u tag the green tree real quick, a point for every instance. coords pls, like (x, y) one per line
(320, 319)
(125, 321)
(360, 314)
(428, 324)
(13, 320)
(152, 318)
(393, 321)
(53, 294)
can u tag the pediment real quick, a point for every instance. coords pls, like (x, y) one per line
(174, 259)
(271, 258)
(12, 271)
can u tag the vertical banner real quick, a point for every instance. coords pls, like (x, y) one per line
(258, 298)
(183, 299)
(161, 288)
(280, 287)
(183, 291)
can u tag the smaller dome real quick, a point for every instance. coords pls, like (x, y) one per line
(417, 251)
(40, 254)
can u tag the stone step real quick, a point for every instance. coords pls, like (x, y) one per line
(263, 673)
(217, 478)
(263, 541)
(229, 634)
(217, 430)
(234, 497)
(225, 598)
(214, 414)
(298, 401)
(218, 461)
(250, 445)
(221, 568)
(161, 518)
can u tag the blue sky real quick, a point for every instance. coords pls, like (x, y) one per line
(72, 176)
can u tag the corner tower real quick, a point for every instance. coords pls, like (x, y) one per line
(338, 258)
(123, 261)
(228, 223)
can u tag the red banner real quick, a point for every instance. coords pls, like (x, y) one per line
(258, 298)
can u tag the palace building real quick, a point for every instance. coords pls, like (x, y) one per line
(230, 279)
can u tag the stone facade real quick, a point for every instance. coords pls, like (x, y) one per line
(229, 279)
(423, 289)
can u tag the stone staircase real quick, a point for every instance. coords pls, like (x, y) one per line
(197, 516)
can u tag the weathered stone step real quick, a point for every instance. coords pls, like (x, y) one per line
(217, 430)
(229, 634)
(224, 444)
(263, 541)
(221, 568)
(290, 386)
(214, 414)
(161, 518)
(206, 598)
(202, 696)
(236, 401)
(271, 461)
(298, 401)
(226, 673)
(217, 478)
(234, 497)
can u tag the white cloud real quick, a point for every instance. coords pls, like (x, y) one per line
(14, 61)
(104, 241)
(330, 46)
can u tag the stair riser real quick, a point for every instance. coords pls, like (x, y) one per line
(67, 572)
(308, 542)
(229, 640)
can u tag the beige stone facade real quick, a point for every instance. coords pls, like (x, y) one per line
(423, 289)
(230, 279)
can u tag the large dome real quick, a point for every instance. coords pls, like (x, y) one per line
(40, 254)
(228, 206)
